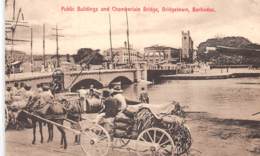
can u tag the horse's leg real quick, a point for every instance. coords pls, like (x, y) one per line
(64, 139)
(79, 139)
(34, 130)
(40, 126)
(78, 121)
(63, 135)
(50, 131)
(76, 138)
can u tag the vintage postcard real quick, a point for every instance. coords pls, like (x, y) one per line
(132, 77)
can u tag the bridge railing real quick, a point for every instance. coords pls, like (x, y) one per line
(161, 68)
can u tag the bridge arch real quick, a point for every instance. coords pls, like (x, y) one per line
(86, 83)
(123, 79)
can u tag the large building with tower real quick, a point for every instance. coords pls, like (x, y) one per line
(187, 47)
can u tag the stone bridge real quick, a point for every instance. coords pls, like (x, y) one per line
(74, 80)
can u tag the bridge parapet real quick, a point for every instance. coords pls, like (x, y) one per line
(105, 77)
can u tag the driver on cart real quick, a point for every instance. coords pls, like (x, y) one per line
(117, 94)
(111, 108)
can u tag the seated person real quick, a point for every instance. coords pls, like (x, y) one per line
(111, 105)
(117, 94)
(109, 112)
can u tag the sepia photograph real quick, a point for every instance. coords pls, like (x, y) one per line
(131, 78)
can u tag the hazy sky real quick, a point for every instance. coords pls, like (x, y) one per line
(88, 29)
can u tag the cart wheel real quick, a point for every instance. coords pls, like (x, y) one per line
(6, 118)
(183, 140)
(120, 142)
(95, 141)
(154, 142)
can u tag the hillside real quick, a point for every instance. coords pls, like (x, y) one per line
(238, 42)
(221, 59)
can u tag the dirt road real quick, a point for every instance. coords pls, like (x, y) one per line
(211, 137)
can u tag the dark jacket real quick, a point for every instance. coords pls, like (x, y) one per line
(112, 107)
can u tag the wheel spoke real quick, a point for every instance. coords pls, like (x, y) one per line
(101, 141)
(168, 141)
(100, 132)
(154, 136)
(161, 138)
(163, 152)
(143, 139)
(149, 136)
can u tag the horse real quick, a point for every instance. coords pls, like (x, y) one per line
(73, 112)
(53, 111)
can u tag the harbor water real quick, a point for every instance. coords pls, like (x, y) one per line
(227, 98)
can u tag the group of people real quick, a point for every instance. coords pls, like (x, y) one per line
(112, 99)
(18, 96)
(84, 94)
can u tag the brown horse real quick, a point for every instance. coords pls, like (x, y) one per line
(73, 112)
(53, 111)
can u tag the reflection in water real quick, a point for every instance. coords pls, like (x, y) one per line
(229, 98)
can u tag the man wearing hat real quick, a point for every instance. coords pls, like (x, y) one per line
(116, 93)
(112, 105)
(28, 94)
(8, 95)
(28, 90)
(15, 88)
(23, 99)
(20, 92)
(90, 91)
(46, 99)
(82, 95)
(108, 113)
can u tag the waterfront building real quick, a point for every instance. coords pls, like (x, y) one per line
(161, 54)
(187, 47)
(121, 55)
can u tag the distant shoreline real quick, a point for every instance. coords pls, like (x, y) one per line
(210, 76)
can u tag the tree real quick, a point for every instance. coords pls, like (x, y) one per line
(88, 56)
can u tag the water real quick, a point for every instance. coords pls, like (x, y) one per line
(229, 98)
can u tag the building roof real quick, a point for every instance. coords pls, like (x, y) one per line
(159, 47)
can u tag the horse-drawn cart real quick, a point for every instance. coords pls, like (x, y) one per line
(151, 134)
(150, 131)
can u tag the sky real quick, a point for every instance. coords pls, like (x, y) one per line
(91, 30)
